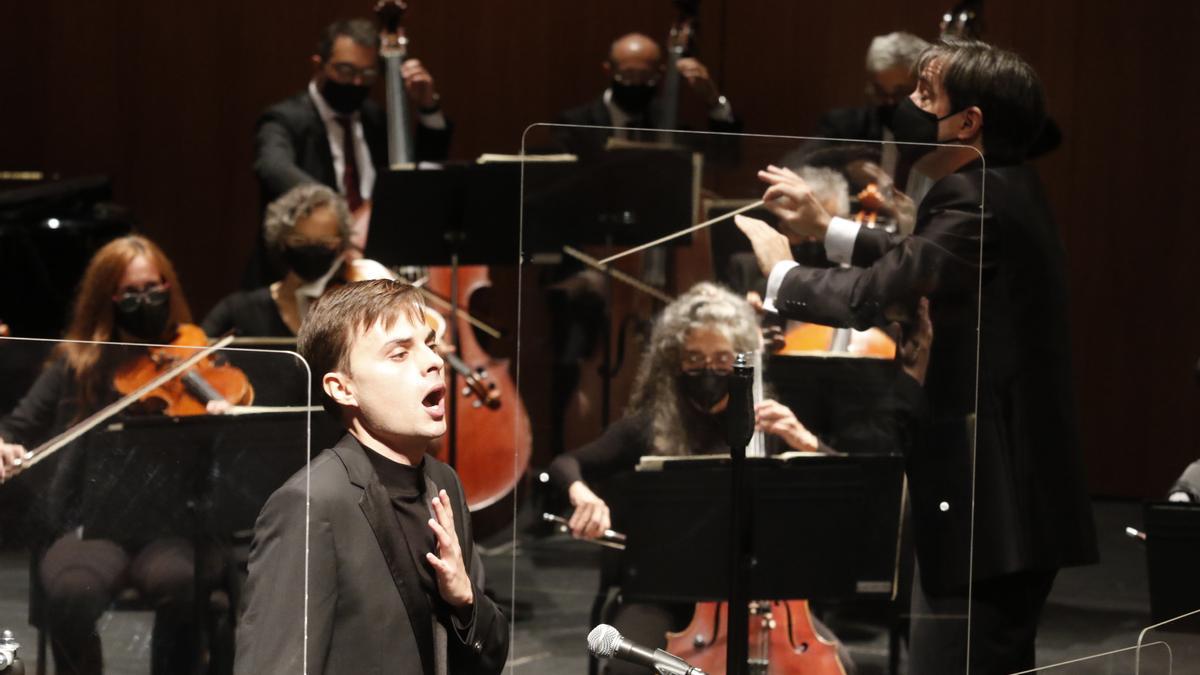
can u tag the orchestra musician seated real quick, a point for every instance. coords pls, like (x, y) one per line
(129, 293)
(307, 228)
(677, 408)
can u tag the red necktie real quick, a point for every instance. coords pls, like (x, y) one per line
(350, 160)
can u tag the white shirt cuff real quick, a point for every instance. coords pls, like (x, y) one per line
(434, 120)
(839, 240)
(778, 272)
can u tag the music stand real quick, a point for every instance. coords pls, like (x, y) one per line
(821, 528)
(824, 528)
(1172, 548)
(432, 216)
(203, 474)
(203, 477)
(621, 197)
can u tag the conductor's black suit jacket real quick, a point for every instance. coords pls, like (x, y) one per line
(1031, 510)
(291, 145)
(366, 610)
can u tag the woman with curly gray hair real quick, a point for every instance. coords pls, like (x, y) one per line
(307, 228)
(678, 401)
(677, 408)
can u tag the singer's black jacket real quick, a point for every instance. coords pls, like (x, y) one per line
(998, 265)
(364, 597)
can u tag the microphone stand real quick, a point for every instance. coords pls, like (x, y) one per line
(739, 428)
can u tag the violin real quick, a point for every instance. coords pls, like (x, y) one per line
(189, 393)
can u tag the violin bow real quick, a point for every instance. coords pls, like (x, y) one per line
(681, 233)
(95, 419)
(618, 274)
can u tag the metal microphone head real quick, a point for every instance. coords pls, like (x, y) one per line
(603, 639)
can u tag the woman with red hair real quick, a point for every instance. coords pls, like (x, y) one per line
(129, 294)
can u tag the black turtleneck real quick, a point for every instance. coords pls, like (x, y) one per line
(405, 486)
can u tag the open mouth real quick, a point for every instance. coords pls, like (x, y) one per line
(433, 402)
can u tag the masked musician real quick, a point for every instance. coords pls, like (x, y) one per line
(307, 228)
(634, 69)
(129, 293)
(375, 563)
(890, 79)
(1029, 500)
(678, 408)
(333, 134)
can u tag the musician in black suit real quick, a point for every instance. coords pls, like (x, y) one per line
(393, 582)
(890, 78)
(332, 134)
(998, 263)
(635, 68)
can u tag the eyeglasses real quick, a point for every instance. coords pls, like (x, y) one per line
(128, 299)
(721, 361)
(348, 73)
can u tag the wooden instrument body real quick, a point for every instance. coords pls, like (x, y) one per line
(493, 442)
(177, 397)
(782, 640)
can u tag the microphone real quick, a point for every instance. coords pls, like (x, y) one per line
(605, 641)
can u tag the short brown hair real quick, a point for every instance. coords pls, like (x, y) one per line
(342, 315)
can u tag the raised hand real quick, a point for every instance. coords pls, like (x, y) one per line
(419, 84)
(770, 247)
(453, 580)
(802, 217)
(697, 77)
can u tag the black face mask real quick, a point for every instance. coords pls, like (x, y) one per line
(633, 98)
(344, 98)
(309, 262)
(910, 124)
(704, 388)
(144, 316)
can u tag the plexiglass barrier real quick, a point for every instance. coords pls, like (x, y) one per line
(127, 531)
(646, 310)
(1149, 658)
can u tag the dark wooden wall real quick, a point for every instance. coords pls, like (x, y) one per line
(162, 96)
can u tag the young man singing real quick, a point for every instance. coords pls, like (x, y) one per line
(390, 584)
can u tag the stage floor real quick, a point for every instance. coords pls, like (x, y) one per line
(1091, 610)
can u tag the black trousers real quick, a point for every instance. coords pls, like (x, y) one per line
(1004, 615)
(82, 577)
